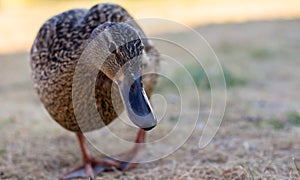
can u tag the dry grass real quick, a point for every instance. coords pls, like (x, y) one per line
(247, 146)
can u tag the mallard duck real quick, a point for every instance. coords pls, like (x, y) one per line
(56, 52)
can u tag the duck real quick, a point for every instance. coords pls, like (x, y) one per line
(98, 57)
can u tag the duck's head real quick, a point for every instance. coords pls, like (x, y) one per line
(123, 65)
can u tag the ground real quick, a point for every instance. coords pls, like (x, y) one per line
(258, 137)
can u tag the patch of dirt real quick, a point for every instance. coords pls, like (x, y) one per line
(247, 145)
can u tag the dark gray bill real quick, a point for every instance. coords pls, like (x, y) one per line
(137, 104)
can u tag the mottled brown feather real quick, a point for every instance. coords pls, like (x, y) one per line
(55, 54)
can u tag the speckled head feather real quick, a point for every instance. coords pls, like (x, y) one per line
(123, 47)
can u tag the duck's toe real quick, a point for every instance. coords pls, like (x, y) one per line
(85, 171)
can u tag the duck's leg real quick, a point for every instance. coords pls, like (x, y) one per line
(128, 159)
(86, 169)
(92, 168)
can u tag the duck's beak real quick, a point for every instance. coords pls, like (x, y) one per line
(136, 103)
